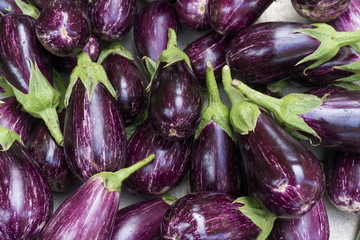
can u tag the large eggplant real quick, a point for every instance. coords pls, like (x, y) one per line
(25, 198)
(95, 139)
(350, 20)
(89, 213)
(192, 13)
(168, 168)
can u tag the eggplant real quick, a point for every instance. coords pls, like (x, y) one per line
(89, 213)
(349, 21)
(210, 47)
(63, 27)
(27, 68)
(228, 17)
(312, 226)
(192, 13)
(151, 28)
(18, 7)
(343, 182)
(215, 160)
(40, 3)
(95, 139)
(208, 215)
(141, 221)
(168, 168)
(25, 198)
(9, 6)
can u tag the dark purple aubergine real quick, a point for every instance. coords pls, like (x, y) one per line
(343, 181)
(312, 226)
(192, 13)
(9, 6)
(151, 28)
(40, 3)
(210, 47)
(168, 168)
(320, 10)
(349, 21)
(228, 17)
(141, 221)
(63, 26)
(25, 197)
(89, 213)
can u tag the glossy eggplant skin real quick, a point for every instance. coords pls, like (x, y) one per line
(349, 21)
(175, 101)
(207, 215)
(140, 221)
(283, 174)
(25, 198)
(215, 163)
(94, 136)
(228, 17)
(151, 28)
(19, 30)
(89, 213)
(212, 47)
(40, 3)
(312, 226)
(192, 13)
(9, 6)
(343, 182)
(168, 168)
(267, 52)
(129, 83)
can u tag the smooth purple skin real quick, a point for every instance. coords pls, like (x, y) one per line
(140, 221)
(40, 3)
(349, 21)
(267, 52)
(94, 136)
(112, 19)
(207, 215)
(151, 28)
(312, 226)
(166, 171)
(63, 27)
(9, 6)
(283, 174)
(210, 47)
(25, 198)
(89, 213)
(337, 121)
(228, 17)
(92, 48)
(320, 10)
(175, 101)
(321, 91)
(19, 30)
(215, 163)
(192, 13)
(130, 84)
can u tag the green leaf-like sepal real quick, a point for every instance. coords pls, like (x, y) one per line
(347, 85)
(61, 86)
(7, 138)
(169, 199)
(278, 87)
(116, 48)
(130, 130)
(243, 117)
(150, 65)
(258, 214)
(352, 67)
(90, 73)
(8, 92)
(28, 8)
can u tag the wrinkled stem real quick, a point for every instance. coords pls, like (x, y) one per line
(51, 119)
(214, 96)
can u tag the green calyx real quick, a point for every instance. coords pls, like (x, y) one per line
(8, 92)
(41, 101)
(61, 86)
(116, 48)
(216, 111)
(169, 199)
(90, 73)
(7, 138)
(114, 180)
(258, 214)
(278, 87)
(347, 85)
(352, 67)
(28, 8)
(130, 130)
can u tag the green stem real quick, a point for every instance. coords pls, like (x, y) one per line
(51, 119)
(214, 95)
(235, 96)
(172, 38)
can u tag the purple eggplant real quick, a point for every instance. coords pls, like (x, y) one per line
(18, 7)
(228, 17)
(320, 10)
(168, 168)
(40, 3)
(192, 13)
(25, 198)
(343, 182)
(141, 221)
(151, 28)
(63, 26)
(350, 20)
(312, 226)
(9, 6)
(210, 47)
(89, 213)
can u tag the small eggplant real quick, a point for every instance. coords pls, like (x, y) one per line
(18, 7)
(151, 28)
(168, 168)
(141, 221)
(95, 139)
(89, 213)
(192, 13)
(349, 21)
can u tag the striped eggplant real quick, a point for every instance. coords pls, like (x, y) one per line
(9, 6)
(350, 20)
(95, 139)
(168, 168)
(89, 213)
(141, 221)
(18, 7)
(192, 13)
